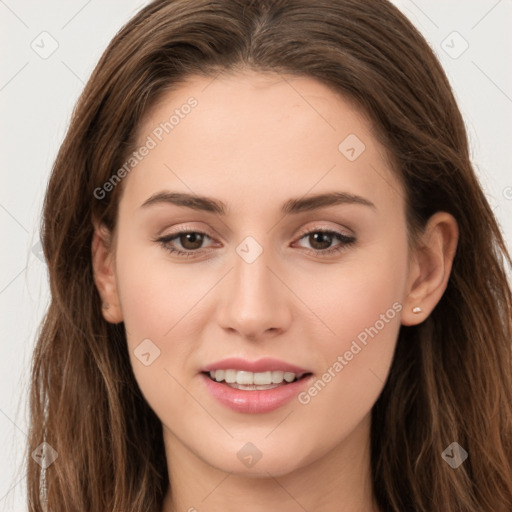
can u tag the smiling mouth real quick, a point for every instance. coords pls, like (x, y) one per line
(250, 381)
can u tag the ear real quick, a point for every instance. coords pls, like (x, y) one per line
(430, 267)
(103, 263)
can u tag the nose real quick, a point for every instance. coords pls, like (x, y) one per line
(255, 303)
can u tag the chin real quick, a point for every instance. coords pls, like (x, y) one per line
(258, 459)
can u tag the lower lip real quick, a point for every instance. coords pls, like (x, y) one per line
(258, 401)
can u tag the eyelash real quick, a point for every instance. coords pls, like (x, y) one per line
(345, 240)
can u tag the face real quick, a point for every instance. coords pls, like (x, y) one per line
(303, 259)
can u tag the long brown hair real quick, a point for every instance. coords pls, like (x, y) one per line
(451, 378)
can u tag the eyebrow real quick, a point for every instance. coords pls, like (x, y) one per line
(292, 206)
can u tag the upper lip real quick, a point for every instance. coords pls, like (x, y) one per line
(261, 365)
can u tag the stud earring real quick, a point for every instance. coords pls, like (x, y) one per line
(417, 309)
(106, 306)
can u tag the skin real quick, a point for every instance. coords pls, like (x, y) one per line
(254, 141)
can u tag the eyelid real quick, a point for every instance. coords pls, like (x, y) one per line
(318, 227)
(186, 229)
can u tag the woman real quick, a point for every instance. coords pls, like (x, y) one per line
(276, 281)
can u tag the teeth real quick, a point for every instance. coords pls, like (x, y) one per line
(277, 377)
(244, 378)
(250, 378)
(229, 376)
(219, 375)
(288, 376)
(262, 378)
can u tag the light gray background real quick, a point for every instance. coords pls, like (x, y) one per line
(36, 99)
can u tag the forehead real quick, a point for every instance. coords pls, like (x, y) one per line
(264, 102)
(272, 135)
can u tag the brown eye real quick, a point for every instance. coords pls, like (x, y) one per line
(184, 243)
(320, 240)
(191, 241)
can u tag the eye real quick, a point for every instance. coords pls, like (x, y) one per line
(189, 239)
(192, 240)
(321, 240)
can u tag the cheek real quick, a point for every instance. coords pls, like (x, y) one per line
(361, 319)
(155, 302)
(155, 299)
(358, 297)
(360, 303)
(155, 294)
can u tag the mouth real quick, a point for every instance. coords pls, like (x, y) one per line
(254, 386)
(254, 381)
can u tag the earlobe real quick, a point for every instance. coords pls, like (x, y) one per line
(431, 268)
(103, 263)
